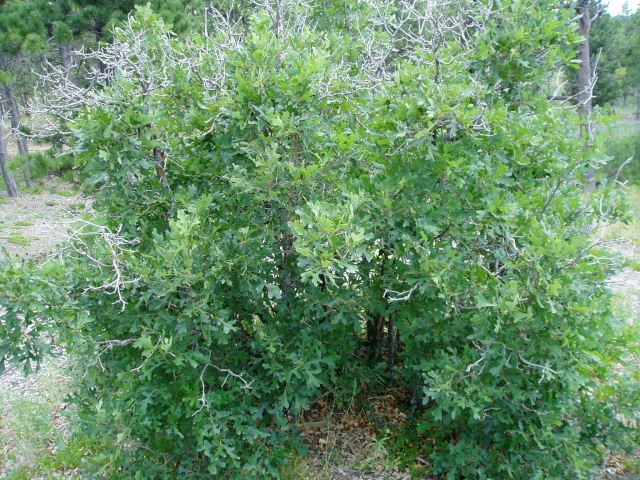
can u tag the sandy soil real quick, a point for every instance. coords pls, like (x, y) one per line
(32, 224)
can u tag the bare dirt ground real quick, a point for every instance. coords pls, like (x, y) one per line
(32, 224)
(627, 280)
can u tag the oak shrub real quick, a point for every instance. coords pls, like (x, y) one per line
(301, 225)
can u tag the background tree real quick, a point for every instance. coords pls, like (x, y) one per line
(26, 29)
(612, 41)
(588, 12)
(608, 38)
(632, 57)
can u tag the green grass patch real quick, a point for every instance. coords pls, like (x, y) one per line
(297, 469)
(41, 438)
(77, 452)
(2, 201)
(27, 430)
(34, 190)
(63, 192)
(622, 306)
(66, 193)
(21, 240)
(23, 223)
(632, 464)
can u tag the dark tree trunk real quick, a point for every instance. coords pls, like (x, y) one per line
(98, 31)
(14, 115)
(12, 188)
(65, 59)
(25, 104)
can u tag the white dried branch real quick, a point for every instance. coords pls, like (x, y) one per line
(289, 17)
(401, 296)
(5, 126)
(602, 221)
(430, 24)
(532, 410)
(139, 367)
(545, 368)
(203, 398)
(149, 66)
(478, 362)
(107, 345)
(115, 245)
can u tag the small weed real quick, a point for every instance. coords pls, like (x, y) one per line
(68, 176)
(20, 240)
(631, 464)
(23, 223)
(2, 201)
(634, 265)
(380, 460)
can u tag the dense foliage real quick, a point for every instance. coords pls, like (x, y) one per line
(292, 207)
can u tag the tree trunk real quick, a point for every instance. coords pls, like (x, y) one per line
(98, 28)
(14, 115)
(11, 106)
(27, 175)
(65, 59)
(25, 104)
(12, 188)
(585, 79)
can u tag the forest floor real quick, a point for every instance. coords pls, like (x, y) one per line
(36, 421)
